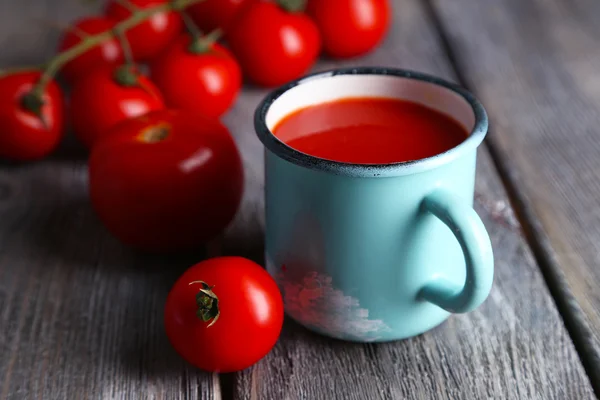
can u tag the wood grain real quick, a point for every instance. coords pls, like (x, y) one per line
(513, 347)
(80, 315)
(535, 65)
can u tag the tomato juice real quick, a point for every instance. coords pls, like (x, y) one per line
(370, 131)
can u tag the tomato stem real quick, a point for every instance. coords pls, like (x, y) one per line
(126, 75)
(207, 303)
(154, 134)
(203, 44)
(125, 47)
(34, 104)
(128, 5)
(89, 42)
(292, 5)
(16, 70)
(200, 43)
(190, 25)
(33, 100)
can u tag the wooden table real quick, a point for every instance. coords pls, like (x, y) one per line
(80, 314)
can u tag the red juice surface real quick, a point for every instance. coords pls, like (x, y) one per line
(370, 131)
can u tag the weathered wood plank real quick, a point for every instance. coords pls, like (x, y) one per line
(80, 315)
(535, 64)
(513, 347)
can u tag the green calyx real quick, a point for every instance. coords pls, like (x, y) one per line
(292, 5)
(126, 76)
(199, 46)
(207, 303)
(33, 103)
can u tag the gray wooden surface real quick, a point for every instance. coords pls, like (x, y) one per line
(80, 315)
(535, 64)
(513, 347)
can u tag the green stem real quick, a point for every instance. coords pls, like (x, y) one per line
(125, 46)
(17, 70)
(78, 32)
(203, 44)
(128, 5)
(191, 26)
(92, 41)
(213, 36)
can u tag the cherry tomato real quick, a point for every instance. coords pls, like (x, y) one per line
(350, 28)
(23, 135)
(149, 38)
(212, 14)
(166, 181)
(224, 314)
(274, 46)
(109, 52)
(207, 83)
(99, 101)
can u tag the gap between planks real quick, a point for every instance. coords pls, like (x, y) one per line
(534, 235)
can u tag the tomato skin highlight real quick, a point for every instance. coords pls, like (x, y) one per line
(274, 46)
(213, 14)
(167, 181)
(207, 83)
(108, 53)
(249, 323)
(148, 39)
(99, 102)
(350, 28)
(23, 136)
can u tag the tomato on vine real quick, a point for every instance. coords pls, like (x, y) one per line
(224, 314)
(151, 37)
(31, 126)
(350, 28)
(213, 14)
(166, 181)
(198, 75)
(273, 44)
(109, 52)
(107, 96)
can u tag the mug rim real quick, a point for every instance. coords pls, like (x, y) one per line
(282, 150)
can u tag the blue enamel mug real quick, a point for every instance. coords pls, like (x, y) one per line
(369, 252)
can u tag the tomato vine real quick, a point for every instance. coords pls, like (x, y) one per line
(33, 101)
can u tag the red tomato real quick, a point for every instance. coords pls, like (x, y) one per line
(224, 314)
(350, 28)
(274, 46)
(166, 181)
(207, 83)
(23, 136)
(149, 38)
(98, 102)
(212, 14)
(109, 52)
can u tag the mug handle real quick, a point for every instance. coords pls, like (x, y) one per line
(475, 242)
